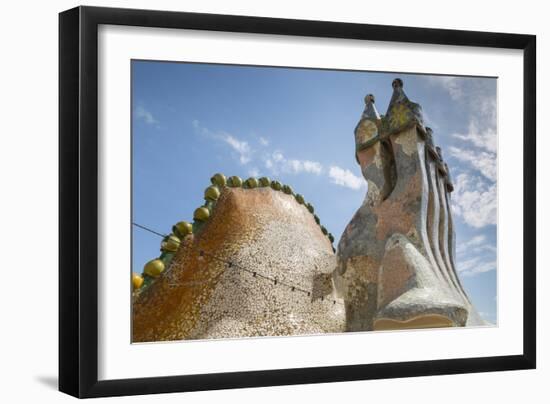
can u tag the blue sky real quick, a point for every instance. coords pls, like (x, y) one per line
(296, 125)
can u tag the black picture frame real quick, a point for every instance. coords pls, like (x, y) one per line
(78, 201)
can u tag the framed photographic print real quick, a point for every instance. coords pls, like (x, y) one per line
(251, 201)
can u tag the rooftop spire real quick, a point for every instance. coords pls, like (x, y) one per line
(370, 111)
(398, 95)
(402, 112)
(366, 131)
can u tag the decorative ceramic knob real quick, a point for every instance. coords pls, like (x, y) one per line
(397, 83)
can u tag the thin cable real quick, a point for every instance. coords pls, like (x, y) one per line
(232, 264)
(149, 230)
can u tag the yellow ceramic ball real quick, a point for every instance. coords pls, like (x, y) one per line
(219, 180)
(137, 281)
(201, 214)
(183, 228)
(170, 243)
(212, 193)
(154, 268)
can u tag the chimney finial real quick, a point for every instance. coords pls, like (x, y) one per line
(397, 83)
(369, 98)
(370, 111)
(402, 112)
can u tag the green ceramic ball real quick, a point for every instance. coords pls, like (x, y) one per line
(317, 220)
(235, 182)
(287, 190)
(219, 180)
(201, 214)
(170, 243)
(300, 199)
(212, 193)
(276, 185)
(182, 229)
(264, 181)
(324, 230)
(310, 207)
(251, 182)
(154, 268)
(331, 237)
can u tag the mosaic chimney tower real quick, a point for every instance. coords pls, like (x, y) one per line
(396, 258)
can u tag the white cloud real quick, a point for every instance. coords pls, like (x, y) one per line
(487, 109)
(485, 163)
(345, 178)
(452, 85)
(483, 139)
(145, 116)
(484, 248)
(476, 256)
(240, 147)
(278, 157)
(476, 245)
(475, 196)
(477, 96)
(475, 266)
(473, 242)
(476, 99)
(277, 163)
(475, 200)
(298, 166)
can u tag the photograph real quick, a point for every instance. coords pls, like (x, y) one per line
(285, 201)
(275, 202)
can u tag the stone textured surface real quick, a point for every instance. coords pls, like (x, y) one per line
(396, 262)
(259, 229)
